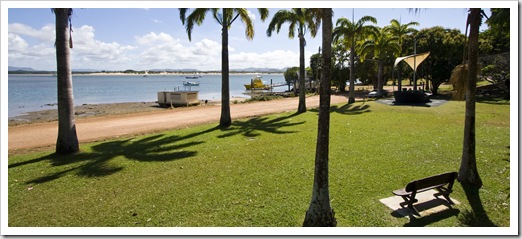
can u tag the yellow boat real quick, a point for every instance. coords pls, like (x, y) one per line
(257, 84)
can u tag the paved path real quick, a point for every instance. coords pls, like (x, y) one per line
(104, 127)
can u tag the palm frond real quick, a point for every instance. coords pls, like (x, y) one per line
(277, 21)
(458, 79)
(242, 13)
(197, 16)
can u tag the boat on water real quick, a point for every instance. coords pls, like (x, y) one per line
(257, 84)
(195, 76)
(191, 83)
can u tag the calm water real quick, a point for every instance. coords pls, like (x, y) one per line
(33, 93)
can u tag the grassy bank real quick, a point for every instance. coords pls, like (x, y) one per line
(259, 172)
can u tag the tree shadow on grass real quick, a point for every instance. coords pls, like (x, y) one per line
(477, 217)
(351, 109)
(348, 109)
(432, 218)
(254, 126)
(155, 148)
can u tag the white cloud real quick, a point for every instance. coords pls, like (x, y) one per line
(16, 43)
(251, 15)
(91, 53)
(153, 38)
(207, 47)
(170, 53)
(87, 52)
(35, 48)
(46, 33)
(272, 59)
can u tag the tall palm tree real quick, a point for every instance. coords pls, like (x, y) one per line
(302, 20)
(400, 31)
(67, 141)
(468, 172)
(347, 32)
(320, 212)
(380, 45)
(225, 17)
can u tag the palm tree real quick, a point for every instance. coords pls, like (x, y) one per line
(320, 212)
(67, 141)
(300, 19)
(381, 45)
(225, 17)
(468, 173)
(400, 31)
(347, 31)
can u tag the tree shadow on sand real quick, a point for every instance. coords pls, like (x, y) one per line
(253, 127)
(97, 163)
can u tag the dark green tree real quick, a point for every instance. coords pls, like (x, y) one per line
(446, 49)
(292, 75)
(380, 46)
(347, 33)
(495, 39)
(401, 31)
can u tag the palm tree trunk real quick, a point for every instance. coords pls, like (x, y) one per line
(468, 172)
(380, 80)
(225, 119)
(399, 80)
(302, 87)
(67, 141)
(351, 93)
(320, 212)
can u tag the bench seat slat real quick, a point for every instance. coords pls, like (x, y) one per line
(438, 182)
(403, 192)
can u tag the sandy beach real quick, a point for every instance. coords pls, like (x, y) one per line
(107, 121)
(95, 110)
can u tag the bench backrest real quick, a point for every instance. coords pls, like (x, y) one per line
(440, 179)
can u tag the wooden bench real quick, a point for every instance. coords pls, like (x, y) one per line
(443, 183)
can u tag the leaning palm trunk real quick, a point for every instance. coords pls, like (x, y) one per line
(67, 141)
(301, 108)
(468, 173)
(225, 119)
(320, 212)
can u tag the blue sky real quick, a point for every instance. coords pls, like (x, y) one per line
(111, 37)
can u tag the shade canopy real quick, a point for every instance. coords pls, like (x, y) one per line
(413, 60)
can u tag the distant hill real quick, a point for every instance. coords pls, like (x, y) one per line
(19, 70)
(14, 68)
(175, 70)
(253, 69)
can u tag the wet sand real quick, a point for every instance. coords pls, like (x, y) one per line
(93, 110)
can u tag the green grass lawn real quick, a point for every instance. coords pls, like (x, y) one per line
(259, 172)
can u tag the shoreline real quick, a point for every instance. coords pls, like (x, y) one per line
(103, 109)
(150, 74)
